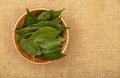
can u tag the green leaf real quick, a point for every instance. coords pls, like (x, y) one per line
(26, 30)
(53, 56)
(56, 14)
(31, 19)
(50, 24)
(48, 31)
(57, 20)
(30, 47)
(43, 51)
(45, 16)
(24, 36)
(47, 42)
(60, 38)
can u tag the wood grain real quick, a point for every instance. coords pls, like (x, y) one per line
(94, 47)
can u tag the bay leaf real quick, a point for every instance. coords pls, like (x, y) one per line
(48, 31)
(43, 51)
(26, 30)
(56, 14)
(49, 24)
(24, 36)
(30, 47)
(57, 20)
(60, 38)
(30, 19)
(53, 56)
(45, 16)
(47, 42)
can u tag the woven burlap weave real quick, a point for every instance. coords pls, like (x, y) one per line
(94, 46)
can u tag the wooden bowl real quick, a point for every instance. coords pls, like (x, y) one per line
(21, 22)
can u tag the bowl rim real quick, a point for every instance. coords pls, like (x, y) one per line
(67, 37)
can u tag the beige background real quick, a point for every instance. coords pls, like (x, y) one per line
(94, 47)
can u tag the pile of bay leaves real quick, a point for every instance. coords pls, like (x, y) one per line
(42, 35)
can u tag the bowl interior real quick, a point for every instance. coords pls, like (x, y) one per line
(21, 22)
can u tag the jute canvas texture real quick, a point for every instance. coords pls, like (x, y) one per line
(94, 45)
